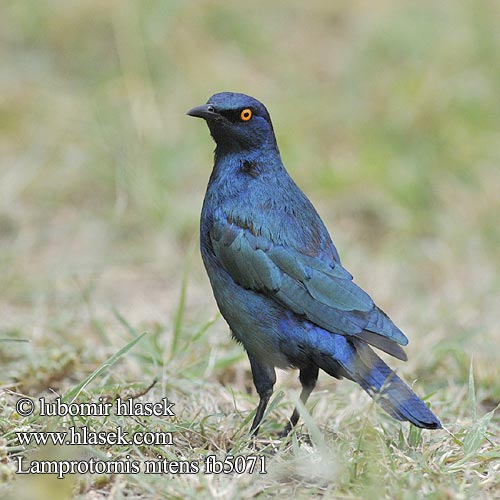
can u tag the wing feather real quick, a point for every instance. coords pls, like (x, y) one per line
(321, 291)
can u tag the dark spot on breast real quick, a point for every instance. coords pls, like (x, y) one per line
(249, 168)
(268, 204)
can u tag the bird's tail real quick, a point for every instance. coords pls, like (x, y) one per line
(358, 362)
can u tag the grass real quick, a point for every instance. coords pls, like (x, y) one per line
(387, 118)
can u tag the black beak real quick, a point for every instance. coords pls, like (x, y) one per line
(205, 111)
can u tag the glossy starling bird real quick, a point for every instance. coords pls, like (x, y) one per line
(277, 277)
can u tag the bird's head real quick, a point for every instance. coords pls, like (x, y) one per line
(237, 122)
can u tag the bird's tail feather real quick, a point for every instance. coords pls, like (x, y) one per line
(360, 364)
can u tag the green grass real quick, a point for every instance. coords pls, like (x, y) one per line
(387, 117)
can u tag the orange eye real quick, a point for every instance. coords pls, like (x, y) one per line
(246, 114)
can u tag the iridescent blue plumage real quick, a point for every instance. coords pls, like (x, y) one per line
(276, 274)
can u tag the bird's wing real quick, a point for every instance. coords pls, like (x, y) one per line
(322, 292)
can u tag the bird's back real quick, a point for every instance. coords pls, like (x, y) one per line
(264, 199)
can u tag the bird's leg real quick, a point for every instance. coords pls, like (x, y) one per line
(308, 377)
(264, 378)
